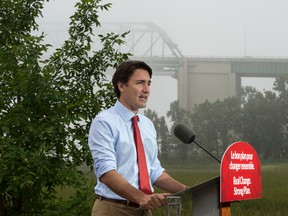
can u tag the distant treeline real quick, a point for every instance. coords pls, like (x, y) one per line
(259, 118)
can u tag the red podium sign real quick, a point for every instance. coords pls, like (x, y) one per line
(240, 173)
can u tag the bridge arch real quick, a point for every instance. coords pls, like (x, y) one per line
(199, 78)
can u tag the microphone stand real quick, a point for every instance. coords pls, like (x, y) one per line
(206, 151)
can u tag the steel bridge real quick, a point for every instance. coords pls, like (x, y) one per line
(199, 78)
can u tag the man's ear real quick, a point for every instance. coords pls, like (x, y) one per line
(121, 86)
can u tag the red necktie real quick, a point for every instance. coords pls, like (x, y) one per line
(144, 180)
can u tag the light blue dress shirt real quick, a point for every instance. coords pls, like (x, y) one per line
(112, 147)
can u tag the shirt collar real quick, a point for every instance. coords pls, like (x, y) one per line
(124, 112)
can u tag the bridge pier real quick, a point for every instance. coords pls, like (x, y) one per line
(201, 79)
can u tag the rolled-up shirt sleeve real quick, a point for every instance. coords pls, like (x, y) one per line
(156, 170)
(101, 143)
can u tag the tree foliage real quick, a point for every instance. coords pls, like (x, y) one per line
(217, 124)
(179, 115)
(259, 118)
(46, 106)
(163, 135)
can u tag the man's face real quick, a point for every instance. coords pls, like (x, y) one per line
(135, 93)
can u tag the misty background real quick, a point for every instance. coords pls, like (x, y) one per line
(206, 28)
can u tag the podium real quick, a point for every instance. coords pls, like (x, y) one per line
(205, 199)
(240, 179)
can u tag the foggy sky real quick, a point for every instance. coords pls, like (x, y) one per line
(202, 27)
(225, 28)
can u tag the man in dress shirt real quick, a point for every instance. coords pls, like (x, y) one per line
(114, 153)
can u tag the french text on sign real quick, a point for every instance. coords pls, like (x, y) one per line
(241, 156)
(240, 170)
(238, 166)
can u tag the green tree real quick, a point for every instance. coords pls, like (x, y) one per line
(179, 115)
(262, 124)
(281, 87)
(204, 119)
(163, 135)
(46, 107)
(259, 118)
(217, 124)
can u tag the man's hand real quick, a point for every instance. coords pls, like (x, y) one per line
(154, 201)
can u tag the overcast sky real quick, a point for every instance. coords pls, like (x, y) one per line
(202, 27)
(256, 28)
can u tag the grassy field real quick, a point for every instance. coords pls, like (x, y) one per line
(274, 200)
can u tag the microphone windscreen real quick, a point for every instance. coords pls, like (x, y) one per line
(183, 133)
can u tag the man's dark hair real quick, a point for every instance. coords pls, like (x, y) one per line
(125, 70)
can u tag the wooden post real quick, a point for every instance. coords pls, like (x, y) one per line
(225, 209)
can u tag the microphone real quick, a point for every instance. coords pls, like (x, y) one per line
(186, 135)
